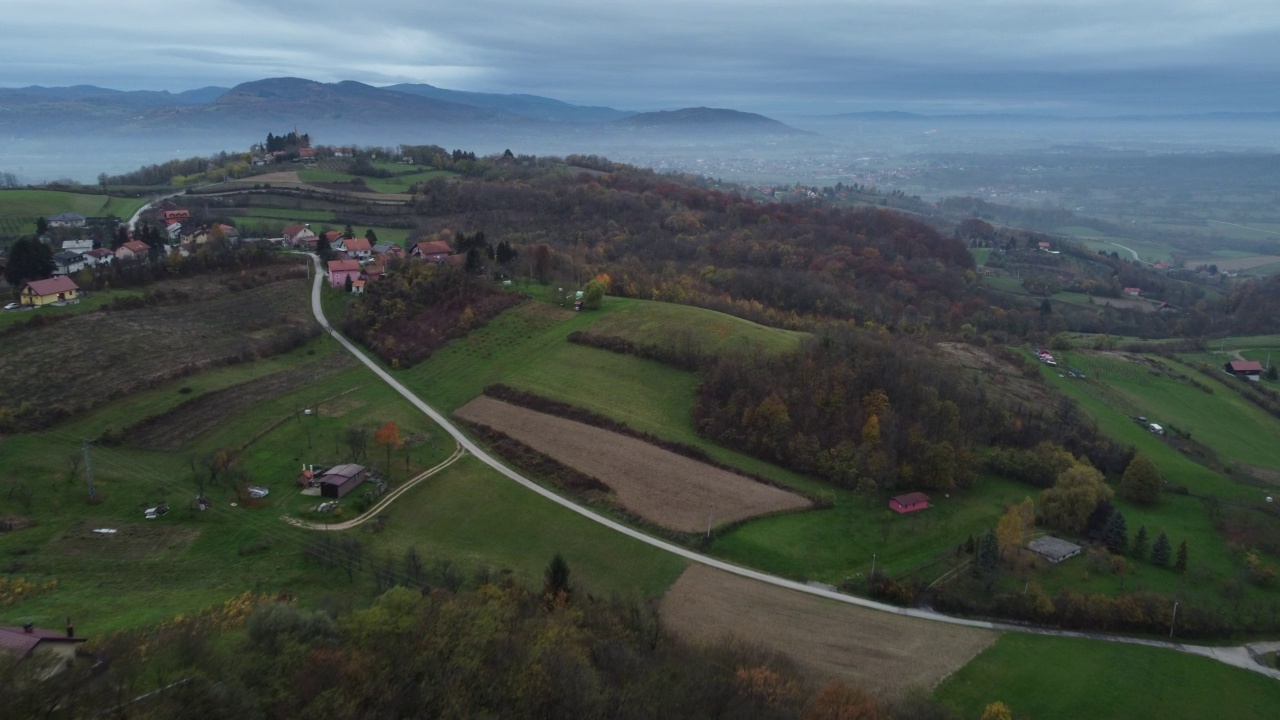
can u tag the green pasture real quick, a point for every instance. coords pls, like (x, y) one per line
(714, 333)
(1005, 283)
(837, 543)
(473, 516)
(400, 183)
(1052, 678)
(20, 208)
(980, 255)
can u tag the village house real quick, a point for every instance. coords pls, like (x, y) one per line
(171, 216)
(339, 480)
(436, 251)
(67, 262)
(911, 502)
(357, 287)
(78, 246)
(47, 292)
(387, 248)
(1132, 291)
(28, 640)
(358, 248)
(342, 270)
(1053, 549)
(297, 235)
(66, 220)
(98, 256)
(1248, 369)
(133, 250)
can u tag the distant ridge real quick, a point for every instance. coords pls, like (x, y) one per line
(530, 106)
(709, 118)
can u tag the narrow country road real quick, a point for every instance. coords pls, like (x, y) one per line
(1237, 656)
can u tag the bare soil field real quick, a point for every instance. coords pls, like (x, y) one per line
(86, 360)
(174, 429)
(128, 542)
(880, 651)
(658, 485)
(1001, 376)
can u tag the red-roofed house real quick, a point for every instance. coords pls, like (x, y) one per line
(908, 503)
(1133, 292)
(357, 287)
(432, 251)
(133, 250)
(298, 234)
(358, 248)
(176, 216)
(341, 270)
(25, 641)
(1251, 369)
(98, 256)
(45, 292)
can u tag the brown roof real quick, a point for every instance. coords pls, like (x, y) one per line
(18, 641)
(52, 286)
(352, 244)
(433, 247)
(343, 265)
(1246, 366)
(136, 246)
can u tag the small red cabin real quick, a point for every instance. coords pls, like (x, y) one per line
(910, 502)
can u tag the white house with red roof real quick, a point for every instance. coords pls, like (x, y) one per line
(298, 234)
(432, 251)
(133, 250)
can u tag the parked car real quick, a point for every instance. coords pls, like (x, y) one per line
(12, 306)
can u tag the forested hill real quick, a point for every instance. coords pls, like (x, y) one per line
(676, 239)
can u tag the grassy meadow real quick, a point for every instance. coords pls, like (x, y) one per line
(1051, 678)
(19, 208)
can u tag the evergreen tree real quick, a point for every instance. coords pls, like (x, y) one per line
(1141, 544)
(988, 552)
(1160, 551)
(29, 259)
(1116, 533)
(348, 232)
(42, 226)
(556, 578)
(1180, 565)
(371, 236)
(323, 248)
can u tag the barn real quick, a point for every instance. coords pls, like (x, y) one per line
(339, 480)
(908, 503)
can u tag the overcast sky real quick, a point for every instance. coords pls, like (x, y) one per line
(1060, 56)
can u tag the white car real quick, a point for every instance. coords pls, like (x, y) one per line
(12, 306)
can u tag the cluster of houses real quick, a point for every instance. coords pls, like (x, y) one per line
(358, 261)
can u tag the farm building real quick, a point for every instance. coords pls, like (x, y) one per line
(1053, 549)
(1251, 369)
(25, 641)
(339, 480)
(342, 270)
(46, 292)
(908, 503)
(67, 220)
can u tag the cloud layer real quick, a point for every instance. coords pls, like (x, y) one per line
(1067, 56)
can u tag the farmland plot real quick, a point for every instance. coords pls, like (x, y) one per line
(658, 485)
(86, 360)
(880, 651)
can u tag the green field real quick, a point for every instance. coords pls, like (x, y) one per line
(398, 184)
(1049, 678)
(712, 332)
(1005, 283)
(20, 208)
(980, 255)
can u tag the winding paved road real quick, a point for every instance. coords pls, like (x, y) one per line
(1237, 656)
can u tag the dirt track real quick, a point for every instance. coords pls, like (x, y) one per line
(882, 652)
(658, 485)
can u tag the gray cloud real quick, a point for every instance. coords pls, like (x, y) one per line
(809, 56)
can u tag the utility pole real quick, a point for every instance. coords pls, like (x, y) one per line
(1175, 618)
(88, 470)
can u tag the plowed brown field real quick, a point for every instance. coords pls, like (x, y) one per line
(658, 485)
(880, 651)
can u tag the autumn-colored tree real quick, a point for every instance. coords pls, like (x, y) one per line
(1073, 497)
(541, 261)
(838, 701)
(1014, 526)
(997, 711)
(871, 431)
(765, 687)
(876, 403)
(1141, 482)
(388, 436)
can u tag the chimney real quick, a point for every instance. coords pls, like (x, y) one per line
(28, 628)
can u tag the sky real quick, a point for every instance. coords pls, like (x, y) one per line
(1066, 57)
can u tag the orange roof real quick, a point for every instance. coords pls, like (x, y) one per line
(343, 265)
(433, 247)
(357, 244)
(136, 246)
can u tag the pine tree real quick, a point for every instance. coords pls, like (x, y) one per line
(1116, 533)
(556, 579)
(1140, 544)
(988, 551)
(1180, 565)
(1160, 551)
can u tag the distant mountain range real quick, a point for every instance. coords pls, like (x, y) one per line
(278, 103)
